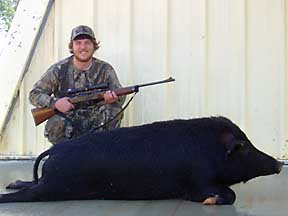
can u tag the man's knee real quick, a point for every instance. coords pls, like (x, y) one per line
(57, 130)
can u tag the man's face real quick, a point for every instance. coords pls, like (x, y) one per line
(83, 49)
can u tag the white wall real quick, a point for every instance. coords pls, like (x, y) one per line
(228, 57)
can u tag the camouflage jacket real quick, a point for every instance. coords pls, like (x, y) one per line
(86, 116)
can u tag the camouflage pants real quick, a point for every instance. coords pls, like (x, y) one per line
(60, 128)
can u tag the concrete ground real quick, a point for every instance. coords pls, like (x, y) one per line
(263, 196)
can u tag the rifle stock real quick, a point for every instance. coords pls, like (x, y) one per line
(42, 114)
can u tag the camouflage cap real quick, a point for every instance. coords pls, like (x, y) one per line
(82, 30)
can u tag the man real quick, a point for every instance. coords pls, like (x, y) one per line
(77, 71)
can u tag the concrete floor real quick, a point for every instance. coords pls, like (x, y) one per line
(264, 196)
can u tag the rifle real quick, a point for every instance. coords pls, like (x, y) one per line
(42, 114)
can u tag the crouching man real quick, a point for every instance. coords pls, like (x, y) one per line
(79, 70)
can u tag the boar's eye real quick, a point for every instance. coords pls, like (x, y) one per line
(233, 146)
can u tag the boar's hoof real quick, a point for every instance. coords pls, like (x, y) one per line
(279, 168)
(211, 200)
(18, 184)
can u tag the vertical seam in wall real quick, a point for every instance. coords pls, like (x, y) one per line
(57, 24)
(245, 77)
(95, 21)
(206, 61)
(282, 91)
(91, 14)
(284, 149)
(168, 60)
(132, 59)
(22, 146)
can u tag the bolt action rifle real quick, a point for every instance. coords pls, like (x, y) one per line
(89, 94)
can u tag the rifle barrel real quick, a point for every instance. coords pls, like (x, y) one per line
(170, 79)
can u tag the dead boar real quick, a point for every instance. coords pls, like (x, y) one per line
(197, 160)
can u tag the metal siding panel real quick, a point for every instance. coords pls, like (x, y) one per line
(68, 14)
(44, 57)
(21, 135)
(285, 79)
(228, 59)
(265, 49)
(135, 26)
(187, 58)
(114, 34)
(149, 49)
(10, 144)
(19, 44)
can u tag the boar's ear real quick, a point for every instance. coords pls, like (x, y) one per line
(231, 143)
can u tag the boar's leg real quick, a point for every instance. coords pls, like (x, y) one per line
(33, 194)
(18, 184)
(214, 195)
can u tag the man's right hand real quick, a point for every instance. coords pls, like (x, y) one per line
(64, 105)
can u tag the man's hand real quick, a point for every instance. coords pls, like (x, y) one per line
(64, 105)
(110, 97)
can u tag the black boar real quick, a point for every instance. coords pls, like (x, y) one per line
(195, 160)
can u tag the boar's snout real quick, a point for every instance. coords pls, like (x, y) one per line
(279, 167)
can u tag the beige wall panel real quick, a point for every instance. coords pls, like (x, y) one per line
(228, 57)
(186, 58)
(266, 74)
(284, 119)
(149, 55)
(133, 30)
(17, 46)
(114, 34)
(21, 135)
(204, 45)
(11, 144)
(68, 14)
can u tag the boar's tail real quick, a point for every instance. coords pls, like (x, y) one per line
(36, 165)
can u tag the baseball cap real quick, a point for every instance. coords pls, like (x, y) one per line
(82, 30)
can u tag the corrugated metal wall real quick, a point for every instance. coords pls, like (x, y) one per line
(228, 57)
